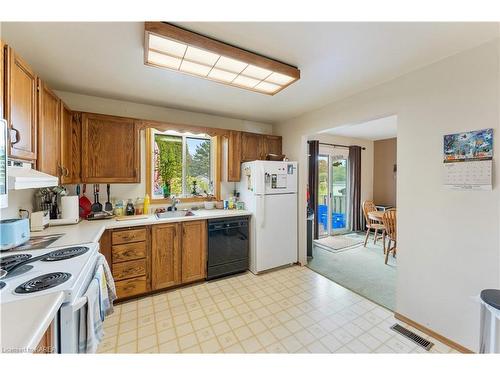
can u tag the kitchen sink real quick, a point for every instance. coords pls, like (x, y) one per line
(173, 214)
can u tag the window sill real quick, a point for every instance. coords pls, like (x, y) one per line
(182, 200)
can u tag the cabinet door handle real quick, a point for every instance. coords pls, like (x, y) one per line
(17, 138)
(65, 171)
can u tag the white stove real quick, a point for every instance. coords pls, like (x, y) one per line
(68, 269)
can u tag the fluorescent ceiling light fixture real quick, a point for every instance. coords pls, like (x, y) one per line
(174, 48)
(162, 60)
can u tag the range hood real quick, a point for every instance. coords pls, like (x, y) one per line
(23, 176)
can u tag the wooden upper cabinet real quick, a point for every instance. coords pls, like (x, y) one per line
(194, 250)
(251, 146)
(165, 256)
(20, 106)
(271, 145)
(49, 131)
(71, 134)
(234, 156)
(110, 149)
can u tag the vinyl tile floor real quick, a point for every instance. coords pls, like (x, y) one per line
(292, 310)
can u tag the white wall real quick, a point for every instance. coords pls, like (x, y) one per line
(366, 159)
(448, 241)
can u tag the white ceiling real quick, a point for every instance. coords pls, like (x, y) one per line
(335, 59)
(374, 130)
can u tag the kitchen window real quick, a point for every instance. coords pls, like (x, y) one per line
(181, 164)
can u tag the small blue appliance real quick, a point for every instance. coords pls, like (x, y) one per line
(13, 232)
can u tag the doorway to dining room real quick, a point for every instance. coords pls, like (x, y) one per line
(339, 248)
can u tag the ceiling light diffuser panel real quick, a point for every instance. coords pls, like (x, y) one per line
(171, 47)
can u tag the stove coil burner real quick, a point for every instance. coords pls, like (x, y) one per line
(65, 253)
(18, 271)
(10, 260)
(43, 282)
(2, 284)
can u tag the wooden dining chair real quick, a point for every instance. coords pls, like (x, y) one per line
(389, 220)
(369, 206)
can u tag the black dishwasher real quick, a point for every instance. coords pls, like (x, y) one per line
(227, 246)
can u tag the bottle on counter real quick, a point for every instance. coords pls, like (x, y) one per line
(118, 208)
(147, 203)
(129, 210)
(139, 205)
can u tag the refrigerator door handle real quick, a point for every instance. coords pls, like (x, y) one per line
(263, 210)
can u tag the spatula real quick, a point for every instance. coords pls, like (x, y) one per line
(96, 206)
(108, 206)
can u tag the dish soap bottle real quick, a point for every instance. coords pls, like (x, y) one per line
(129, 211)
(146, 205)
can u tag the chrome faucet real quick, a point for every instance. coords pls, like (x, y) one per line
(175, 201)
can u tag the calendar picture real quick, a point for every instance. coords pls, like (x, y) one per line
(468, 146)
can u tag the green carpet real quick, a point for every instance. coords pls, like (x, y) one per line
(360, 269)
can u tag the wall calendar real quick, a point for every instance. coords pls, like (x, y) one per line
(468, 160)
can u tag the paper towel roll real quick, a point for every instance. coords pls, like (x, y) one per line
(69, 207)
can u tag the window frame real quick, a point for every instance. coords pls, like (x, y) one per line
(215, 151)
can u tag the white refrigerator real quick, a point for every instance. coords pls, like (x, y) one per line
(269, 190)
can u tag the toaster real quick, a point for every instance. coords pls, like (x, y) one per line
(13, 232)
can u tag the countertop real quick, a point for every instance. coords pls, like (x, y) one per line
(24, 322)
(91, 231)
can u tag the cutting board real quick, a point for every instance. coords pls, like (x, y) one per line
(131, 217)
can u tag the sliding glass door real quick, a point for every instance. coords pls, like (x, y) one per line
(338, 196)
(332, 195)
(323, 195)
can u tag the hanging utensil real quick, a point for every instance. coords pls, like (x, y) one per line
(108, 206)
(96, 206)
(84, 203)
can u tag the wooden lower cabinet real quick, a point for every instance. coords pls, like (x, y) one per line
(105, 246)
(131, 287)
(179, 253)
(194, 251)
(130, 260)
(160, 256)
(165, 256)
(46, 344)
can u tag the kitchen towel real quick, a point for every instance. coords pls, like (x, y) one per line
(107, 286)
(91, 330)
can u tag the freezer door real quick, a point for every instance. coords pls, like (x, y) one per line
(275, 231)
(269, 177)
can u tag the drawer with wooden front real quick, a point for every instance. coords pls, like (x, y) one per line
(131, 287)
(127, 270)
(128, 236)
(128, 251)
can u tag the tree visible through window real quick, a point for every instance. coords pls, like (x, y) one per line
(184, 163)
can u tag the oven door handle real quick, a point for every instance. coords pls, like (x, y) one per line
(79, 303)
